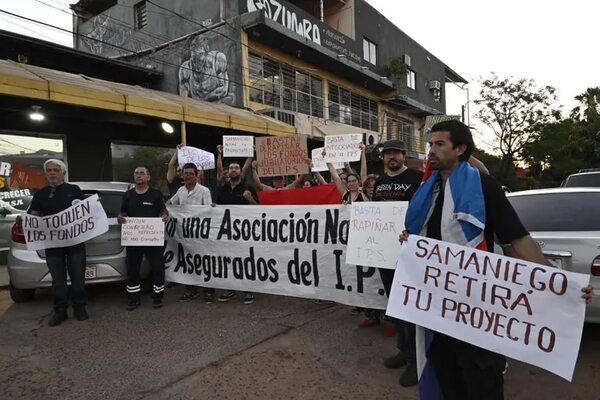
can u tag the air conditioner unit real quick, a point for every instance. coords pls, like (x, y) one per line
(370, 138)
(435, 85)
(406, 59)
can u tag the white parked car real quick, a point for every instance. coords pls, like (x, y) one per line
(566, 224)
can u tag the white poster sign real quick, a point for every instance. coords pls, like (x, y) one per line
(82, 221)
(319, 163)
(375, 228)
(238, 146)
(143, 232)
(340, 148)
(526, 311)
(202, 159)
(287, 250)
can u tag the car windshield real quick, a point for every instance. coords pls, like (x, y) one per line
(111, 201)
(558, 211)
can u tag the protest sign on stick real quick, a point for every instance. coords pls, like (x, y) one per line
(281, 155)
(374, 230)
(530, 312)
(343, 148)
(81, 222)
(202, 159)
(319, 163)
(238, 146)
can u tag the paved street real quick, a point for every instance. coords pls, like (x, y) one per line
(277, 348)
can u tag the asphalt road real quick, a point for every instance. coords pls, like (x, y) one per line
(276, 348)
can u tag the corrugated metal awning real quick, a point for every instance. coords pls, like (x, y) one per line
(33, 82)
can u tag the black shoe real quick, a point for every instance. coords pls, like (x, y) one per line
(132, 305)
(249, 298)
(171, 284)
(397, 361)
(209, 297)
(187, 296)
(58, 318)
(227, 296)
(409, 376)
(157, 303)
(80, 313)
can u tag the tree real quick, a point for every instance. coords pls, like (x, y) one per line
(515, 110)
(589, 107)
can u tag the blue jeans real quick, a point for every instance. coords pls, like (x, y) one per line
(59, 261)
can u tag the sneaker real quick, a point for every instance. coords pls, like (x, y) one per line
(227, 296)
(409, 376)
(80, 313)
(58, 318)
(368, 322)
(249, 298)
(132, 305)
(397, 361)
(187, 296)
(209, 297)
(157, 303)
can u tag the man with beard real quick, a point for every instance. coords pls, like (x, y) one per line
(235, 192)
(399, 183)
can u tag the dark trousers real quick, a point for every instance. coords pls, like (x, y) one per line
(405, 331)
(154, 255)
(466, 372)
(59, 261)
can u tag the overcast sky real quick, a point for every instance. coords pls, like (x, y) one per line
(551, 41)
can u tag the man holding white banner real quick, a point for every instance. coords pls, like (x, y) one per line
(143, 201)
(52, 199)
(459, 205)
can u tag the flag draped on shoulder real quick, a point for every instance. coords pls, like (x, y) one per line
(462, 222)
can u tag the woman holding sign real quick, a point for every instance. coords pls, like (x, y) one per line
(52, 199)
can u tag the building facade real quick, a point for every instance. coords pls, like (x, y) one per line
(323, 66)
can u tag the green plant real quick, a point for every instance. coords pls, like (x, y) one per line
(396, 70)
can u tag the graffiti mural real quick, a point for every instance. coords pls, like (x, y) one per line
(205, 73)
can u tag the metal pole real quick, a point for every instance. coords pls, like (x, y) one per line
(322, 12)
(185, 110)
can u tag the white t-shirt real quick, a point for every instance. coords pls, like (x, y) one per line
(200, 195)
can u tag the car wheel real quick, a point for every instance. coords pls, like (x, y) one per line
(20, 295)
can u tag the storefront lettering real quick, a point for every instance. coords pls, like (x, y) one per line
(278, 12)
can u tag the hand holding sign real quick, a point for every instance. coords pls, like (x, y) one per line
(202, 159)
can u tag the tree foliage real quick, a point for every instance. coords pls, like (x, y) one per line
(516, 111)
(565, 147)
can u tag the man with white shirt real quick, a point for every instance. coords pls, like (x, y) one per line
(194, 194)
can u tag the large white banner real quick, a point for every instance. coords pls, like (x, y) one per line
(530, 312)
(81, 222)
(340, 148)
(287, 250)
(375, 227)
(203, 159)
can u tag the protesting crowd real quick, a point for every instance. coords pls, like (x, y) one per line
(452, 199)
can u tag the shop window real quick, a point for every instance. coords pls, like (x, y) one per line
(351, 108)
(126, 157)
(22, 166)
